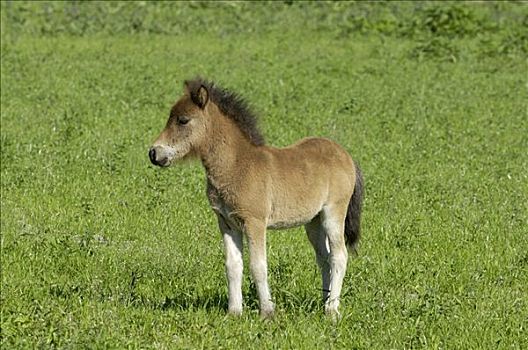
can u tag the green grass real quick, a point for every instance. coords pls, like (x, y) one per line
(102, 250)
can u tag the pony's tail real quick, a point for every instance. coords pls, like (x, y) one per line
(353, 217)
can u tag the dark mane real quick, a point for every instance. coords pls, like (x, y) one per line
(233, 106)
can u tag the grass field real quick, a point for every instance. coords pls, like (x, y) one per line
(102, 250)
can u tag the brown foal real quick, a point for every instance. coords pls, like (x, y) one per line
(252, 187)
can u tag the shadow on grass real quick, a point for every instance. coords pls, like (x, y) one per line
(185, 301)
(210, 301)
(214, 300)
(192, 298)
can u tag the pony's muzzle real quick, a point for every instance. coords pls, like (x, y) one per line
(157, 157)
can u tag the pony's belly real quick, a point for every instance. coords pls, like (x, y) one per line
(287, 224)
(290, 209)
(288, 220)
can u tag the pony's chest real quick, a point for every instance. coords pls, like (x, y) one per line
(223, 208)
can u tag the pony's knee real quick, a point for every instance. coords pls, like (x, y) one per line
(234, 266)
(339, 257)
(259, 269)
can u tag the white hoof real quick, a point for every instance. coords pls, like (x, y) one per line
(235, 311)
(267, 311)
(331, 310)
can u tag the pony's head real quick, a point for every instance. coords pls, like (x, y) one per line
(200, 116)
(186, 129)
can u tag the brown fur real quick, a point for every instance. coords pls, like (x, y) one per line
(252, 186)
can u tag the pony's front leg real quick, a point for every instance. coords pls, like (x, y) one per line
(256, 234)
(234, 264)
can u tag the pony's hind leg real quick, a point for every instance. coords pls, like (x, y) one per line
(317, 237)
(333, 222)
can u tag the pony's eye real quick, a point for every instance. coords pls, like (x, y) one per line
(183, 120)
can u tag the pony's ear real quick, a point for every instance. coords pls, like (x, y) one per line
(200, 97)
(198, 93)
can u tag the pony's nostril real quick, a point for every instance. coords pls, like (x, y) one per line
(163, 161)
(152, 156)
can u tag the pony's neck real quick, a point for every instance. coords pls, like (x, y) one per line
(226, 152)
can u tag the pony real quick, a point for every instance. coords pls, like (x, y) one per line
(253, 187)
